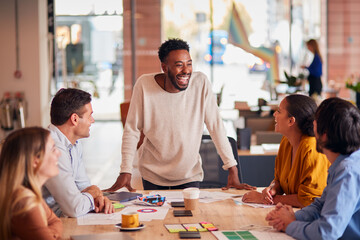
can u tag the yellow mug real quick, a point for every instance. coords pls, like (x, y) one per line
(130, 220)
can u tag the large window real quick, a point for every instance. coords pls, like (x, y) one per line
(89, 39)
(89, 47)
(236, 73)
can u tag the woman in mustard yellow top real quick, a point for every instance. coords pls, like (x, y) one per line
(300, 171)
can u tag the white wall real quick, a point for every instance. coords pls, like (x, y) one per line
(33, 57)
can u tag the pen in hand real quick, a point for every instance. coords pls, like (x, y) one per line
(267, 192)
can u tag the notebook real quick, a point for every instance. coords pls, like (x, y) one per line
(123, 196)
(103, 236)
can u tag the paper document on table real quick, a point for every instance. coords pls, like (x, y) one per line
(239, 201)
(205, 196)
(171, 196)
(145, 214)
(148, 213)
(99, 219)
(251, 235)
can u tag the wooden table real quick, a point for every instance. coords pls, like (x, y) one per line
(225, 215)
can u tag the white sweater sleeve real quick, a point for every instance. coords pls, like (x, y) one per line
(215, 125)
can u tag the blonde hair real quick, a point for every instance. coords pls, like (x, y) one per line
(21, 190)
(315, 46)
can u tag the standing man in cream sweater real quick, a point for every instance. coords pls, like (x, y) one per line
(170, 108)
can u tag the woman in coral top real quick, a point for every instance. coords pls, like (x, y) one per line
(28, 158)
(300, 171)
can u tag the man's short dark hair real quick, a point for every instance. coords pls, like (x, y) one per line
(340, 120)
(303, 109)
(66, 102)
(170, 45)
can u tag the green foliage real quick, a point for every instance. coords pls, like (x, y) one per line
(355, 87)
(301, 76)
(293, 81)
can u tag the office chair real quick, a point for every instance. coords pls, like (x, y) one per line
(258, 169)
(124, 109)
(214, 175)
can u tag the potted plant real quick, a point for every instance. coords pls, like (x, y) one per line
(353, 83)
(294, 83)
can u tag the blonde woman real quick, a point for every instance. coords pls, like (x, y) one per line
(28, 158)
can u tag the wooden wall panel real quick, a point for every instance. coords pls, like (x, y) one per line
(148, 40)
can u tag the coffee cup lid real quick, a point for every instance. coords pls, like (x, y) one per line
(191, 193)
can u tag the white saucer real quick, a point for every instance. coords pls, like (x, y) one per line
(141, 226)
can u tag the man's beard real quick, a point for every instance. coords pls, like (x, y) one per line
(174, 83)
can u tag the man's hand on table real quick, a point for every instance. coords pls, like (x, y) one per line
(281, 217)
(123, 180)
(233, 180)
(93, 190)
(103, 204)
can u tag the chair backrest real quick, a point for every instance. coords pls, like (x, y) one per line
(243, 138)
(258, 170)
(124, 109)
(267, 137)
(214, 175)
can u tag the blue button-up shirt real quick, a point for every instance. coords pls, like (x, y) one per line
(336, 214)
(63, 192)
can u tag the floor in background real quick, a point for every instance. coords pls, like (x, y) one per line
(102, 154)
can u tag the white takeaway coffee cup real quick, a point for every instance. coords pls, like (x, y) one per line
(191, 198)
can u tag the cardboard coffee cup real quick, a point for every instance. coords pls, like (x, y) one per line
(191, 198)
(130, 220)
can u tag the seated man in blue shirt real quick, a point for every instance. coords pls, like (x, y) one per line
(71, 193)
(336, 214)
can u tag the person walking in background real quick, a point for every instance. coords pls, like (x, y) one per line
(315, 69)
(28, 159)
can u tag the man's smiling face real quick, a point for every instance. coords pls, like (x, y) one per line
(178, 69)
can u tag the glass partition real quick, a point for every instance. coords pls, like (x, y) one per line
(89, 48)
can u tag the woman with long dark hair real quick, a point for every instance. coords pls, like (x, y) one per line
(300, 171)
